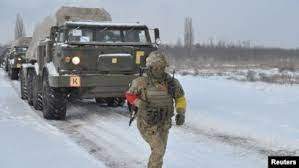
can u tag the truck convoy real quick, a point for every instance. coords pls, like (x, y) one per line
(15, 56)
(82, 54)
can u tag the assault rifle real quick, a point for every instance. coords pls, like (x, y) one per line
(133, 114)
(134, 110)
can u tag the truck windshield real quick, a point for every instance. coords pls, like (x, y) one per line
(21, 49)
(109, 35)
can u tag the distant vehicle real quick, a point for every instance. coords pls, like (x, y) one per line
(16, 56)
(3, 56)
(5, 60)
(84, 59)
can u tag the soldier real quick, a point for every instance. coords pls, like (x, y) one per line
(154, 95)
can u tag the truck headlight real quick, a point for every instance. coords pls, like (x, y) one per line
(76, 60)
(20, 59)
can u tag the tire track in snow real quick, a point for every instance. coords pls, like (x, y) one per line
(87, 134)
(86, 138)
(247, 143)
(71, 127)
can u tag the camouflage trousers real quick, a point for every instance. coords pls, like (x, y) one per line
(156, 137)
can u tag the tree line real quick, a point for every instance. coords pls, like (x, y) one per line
(221, 53)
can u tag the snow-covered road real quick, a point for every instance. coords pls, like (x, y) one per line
(26, 140)
(228, 125)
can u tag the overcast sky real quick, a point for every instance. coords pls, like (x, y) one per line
(264, 22)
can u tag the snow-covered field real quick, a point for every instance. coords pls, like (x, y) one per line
(265, 115)
(268, 75)
(229, 124)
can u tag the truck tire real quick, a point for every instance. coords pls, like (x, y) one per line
(14, 74)
(37, 97)
(54, 101)
(9, 71)
(6, 67)
(24, 95)
(30, 87)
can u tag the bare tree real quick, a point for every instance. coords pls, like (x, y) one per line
(189, 36)
(211, 42)
(19, 27)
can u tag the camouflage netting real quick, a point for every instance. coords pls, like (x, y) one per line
(42, 30)
(82, 14)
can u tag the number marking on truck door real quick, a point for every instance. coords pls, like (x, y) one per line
(75, 81)
(139, 54)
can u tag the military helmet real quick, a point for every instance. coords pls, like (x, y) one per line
(156, 59)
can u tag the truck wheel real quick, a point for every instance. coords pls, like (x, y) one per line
(54, 102)
(24, 95)
(9, 72)
(6, 67)
(37, 98)
(115, 102)
(30, 87)
(14, 74)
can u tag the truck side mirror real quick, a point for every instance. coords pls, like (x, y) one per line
(53, 33)
(157, 36)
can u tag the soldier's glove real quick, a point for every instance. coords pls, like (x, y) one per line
(180, 119)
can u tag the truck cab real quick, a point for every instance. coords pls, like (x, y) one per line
(14, 60)
(101, 47)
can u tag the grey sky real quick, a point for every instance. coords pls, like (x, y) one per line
(264, 22)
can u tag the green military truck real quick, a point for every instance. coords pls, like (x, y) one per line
(84, 59)
(3, 56)
(16, 56)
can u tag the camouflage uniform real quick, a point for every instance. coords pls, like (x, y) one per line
(156, 107)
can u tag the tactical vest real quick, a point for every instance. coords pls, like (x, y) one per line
(160, 103)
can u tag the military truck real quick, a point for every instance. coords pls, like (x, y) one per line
(3, 56)
(16, 56)
(85, 56)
